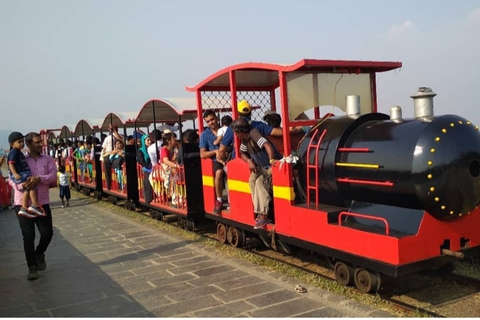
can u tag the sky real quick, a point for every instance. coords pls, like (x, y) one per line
(65, 60)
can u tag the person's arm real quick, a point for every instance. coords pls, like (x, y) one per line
(117, 135)
(11, 166)
(246, 157)
(271, 153)
(276, 132)
(48, 178)
(165, 155)
(205, 154)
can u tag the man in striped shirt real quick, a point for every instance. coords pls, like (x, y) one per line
(44, 173)
(260, 155)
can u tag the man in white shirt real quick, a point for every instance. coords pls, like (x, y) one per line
(107, 147)
(152, 150)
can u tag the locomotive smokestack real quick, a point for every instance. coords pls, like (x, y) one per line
(352, 104)
(396, 114)
(423, 102)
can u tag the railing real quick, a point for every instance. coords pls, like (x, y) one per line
(358, 215)
(168, 186)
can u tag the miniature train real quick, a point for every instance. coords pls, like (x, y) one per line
(375, 194)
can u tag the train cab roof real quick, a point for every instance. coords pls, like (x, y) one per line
(308, 84)
(251, 75)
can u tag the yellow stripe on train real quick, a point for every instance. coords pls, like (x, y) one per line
(280, 192)
(207, 181)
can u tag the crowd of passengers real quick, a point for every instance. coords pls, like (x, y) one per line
(215, 142)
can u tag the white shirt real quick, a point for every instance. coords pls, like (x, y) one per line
(63, 179)
(108, 143)
(221, 131)
(152, 152)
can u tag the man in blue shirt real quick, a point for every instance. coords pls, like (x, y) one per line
(245, 112)
(209, 150)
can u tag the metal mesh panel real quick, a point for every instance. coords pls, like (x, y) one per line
(220, 101)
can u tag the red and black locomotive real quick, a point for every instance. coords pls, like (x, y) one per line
(376, 194)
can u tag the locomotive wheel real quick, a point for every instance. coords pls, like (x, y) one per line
(343, 273)
(367, 281)
(127, 205)
(77, 187)
(98, 195)
(236, 237)
(221, 233)
(113, 200)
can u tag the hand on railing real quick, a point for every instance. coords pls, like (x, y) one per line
(288, 159)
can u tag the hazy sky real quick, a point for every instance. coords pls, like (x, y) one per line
(64, 60)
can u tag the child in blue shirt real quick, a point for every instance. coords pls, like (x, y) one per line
(19, 174)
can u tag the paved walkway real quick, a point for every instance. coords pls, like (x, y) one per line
(104, 264)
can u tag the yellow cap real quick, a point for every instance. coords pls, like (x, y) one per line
(244, 107)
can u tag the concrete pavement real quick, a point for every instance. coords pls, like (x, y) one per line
(104, 264)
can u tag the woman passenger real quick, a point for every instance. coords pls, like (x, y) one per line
(144, 160)
(169, 167)
(116, 161)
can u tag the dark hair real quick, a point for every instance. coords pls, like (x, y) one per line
(29, 137)
(61, 168)
(129, 137)
(241, 125)
(89, 140)
(191, 136)
(166, 137)
(226, 120)
(273, 120)
(209, 113)
(156, 135)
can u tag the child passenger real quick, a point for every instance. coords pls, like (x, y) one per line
(19, 174)
(226, 122)
(64, 185)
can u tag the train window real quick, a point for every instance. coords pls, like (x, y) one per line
(307, 90)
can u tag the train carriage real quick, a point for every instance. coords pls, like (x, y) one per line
(335, 201)
(85, 176)
(121, 187)
(155, 114)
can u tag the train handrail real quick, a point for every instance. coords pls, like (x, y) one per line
(359, 215)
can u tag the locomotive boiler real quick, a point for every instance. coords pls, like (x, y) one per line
(427, 162)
